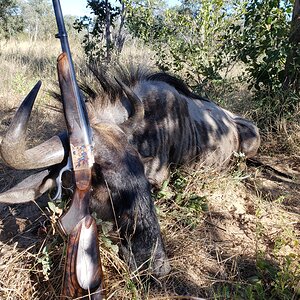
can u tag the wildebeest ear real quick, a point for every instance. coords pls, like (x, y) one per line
(29, 189)
(132, 123)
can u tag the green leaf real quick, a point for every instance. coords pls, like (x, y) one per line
(53, 207)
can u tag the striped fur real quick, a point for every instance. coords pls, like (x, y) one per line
(179, 128)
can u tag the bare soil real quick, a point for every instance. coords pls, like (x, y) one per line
(248, 213)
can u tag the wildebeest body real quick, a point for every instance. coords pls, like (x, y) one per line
(178, 129)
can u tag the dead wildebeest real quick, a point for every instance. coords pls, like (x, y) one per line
(141, 125)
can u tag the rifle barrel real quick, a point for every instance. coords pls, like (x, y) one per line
(63, 36)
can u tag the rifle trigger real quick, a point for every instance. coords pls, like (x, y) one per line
(58, 180)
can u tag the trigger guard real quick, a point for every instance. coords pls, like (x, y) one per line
(66, 168)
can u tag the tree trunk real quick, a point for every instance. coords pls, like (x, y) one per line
(107, 32)
(295, 33)
(292, 72)
(120, 39)
(36, 30)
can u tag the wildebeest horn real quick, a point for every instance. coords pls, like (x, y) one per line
(13, 148)
(138, 108)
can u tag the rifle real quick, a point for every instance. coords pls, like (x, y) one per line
(83, 274)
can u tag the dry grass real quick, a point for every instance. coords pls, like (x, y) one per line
(228, 236)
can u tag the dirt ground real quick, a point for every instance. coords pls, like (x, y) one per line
(248, 213)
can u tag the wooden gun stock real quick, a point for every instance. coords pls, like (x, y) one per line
(83, 272)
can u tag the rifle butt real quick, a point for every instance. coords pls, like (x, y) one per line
(83, 276)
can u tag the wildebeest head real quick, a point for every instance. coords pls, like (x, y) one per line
(121, 191)
(53, 152)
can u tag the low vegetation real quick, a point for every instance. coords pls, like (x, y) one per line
(231, 235)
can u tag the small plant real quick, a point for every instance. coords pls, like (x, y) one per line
(106, 228)
(131, 287)
(45, 260)
(187, 205)
(56, 211)
(239, 171)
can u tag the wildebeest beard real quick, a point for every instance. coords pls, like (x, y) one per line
(142, 123)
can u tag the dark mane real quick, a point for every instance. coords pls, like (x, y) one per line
(106, 85)
(130, 74)
(175, 82)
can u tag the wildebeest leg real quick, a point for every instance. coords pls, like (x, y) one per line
(156, 170)
(249, 137)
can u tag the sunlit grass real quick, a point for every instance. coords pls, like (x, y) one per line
(232, 235)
